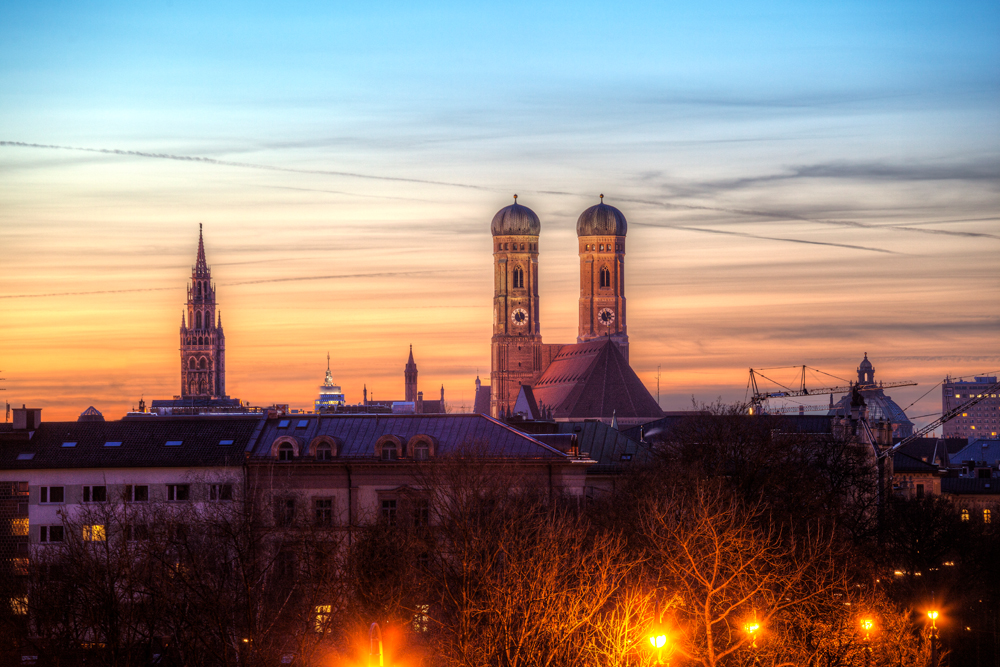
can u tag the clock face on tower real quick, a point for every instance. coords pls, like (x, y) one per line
(519, 317)
(606, 316)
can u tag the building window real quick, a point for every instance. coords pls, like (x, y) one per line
(324, 453)
(285, 451)
(137, 494)
(519, 278)
(51, 534)
(94, 533)
(389, 452)
(965, 515)
(605, 277)
(95, 494)
(987, 516)
(421, 513)
(178, 492)
(421, 451)
(324, 512)
(920, 490)
(52, 494)
(323, 615)
(284, 512)
(220, 492)
(389, 511)
(138, 532)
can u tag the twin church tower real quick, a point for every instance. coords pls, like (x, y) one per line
(519, 357)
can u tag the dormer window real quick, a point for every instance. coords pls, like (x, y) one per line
(421, 451)
(389, 452)
(285, 452)
(324, 453)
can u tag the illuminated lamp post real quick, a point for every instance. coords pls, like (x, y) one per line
(752, 628)
(375, 633)
(933, 615)
(867, 624)
(659, 640)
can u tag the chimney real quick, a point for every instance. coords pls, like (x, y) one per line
(420, 403)
(27, 419)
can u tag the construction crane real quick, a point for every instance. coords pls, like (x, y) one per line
(757, 397)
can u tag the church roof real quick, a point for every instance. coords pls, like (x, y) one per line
(515, 220)
(601, 220)
(879, 405)
(593, 380)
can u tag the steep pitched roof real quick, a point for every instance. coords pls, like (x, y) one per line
(482, 400)
(593, 380)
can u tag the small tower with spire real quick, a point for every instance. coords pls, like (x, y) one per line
(203, 344)
(410, 378)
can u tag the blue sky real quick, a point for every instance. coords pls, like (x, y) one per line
(805, 182)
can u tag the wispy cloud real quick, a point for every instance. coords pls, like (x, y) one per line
(766, 238)
(243, 165)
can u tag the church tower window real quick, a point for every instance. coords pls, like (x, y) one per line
(519, 278)
(605, 277)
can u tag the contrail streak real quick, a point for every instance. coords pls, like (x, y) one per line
(244, 165)
(767, 238)
(246, 282)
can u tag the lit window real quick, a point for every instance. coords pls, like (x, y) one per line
(174, 443)
(987, 516)
(117, 443)
(94, 533)
(965, 515)
(323, 613)
(19, 526)
(19, 605)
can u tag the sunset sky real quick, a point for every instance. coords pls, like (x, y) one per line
(804, 183)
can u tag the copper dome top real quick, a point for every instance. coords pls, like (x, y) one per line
(601, 220)
(515, 220)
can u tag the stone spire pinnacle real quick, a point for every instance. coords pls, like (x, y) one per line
(201, 265)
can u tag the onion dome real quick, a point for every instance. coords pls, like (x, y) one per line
(601, 220)
(515, 220)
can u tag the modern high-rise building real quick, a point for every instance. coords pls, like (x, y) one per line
(981, 421)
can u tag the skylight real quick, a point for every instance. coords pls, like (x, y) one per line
(113, 443)
(283, 423)
(25, 456)
(174, 443)
(302, 423)
(225, 442)
(69, 444)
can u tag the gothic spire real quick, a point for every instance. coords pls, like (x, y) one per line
(410, 363)
(201, 266)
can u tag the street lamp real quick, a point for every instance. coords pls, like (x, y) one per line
(867, 624)
(752, 628)
(933, 615)
(375, 634)
(658, 641)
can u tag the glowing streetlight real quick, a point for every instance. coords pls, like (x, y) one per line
(752, 628)
(933, 615)
(867, 624)
(658, 642)
(375, 634)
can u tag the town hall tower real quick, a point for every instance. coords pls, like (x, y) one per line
(203, 344)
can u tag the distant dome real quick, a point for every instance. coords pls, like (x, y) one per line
(880, 408)
(601, 220)
(91, 414)
(515, 220)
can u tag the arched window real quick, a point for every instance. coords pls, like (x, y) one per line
(987, 516)
(204, 363)
(191, 363)
(197, 319)
(605, 277)
(421, 451)
(519, 278)
(285, 451)
(389, 452)
(522, 246)
(324, 452)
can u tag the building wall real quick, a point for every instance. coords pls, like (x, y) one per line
(980, 421)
